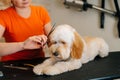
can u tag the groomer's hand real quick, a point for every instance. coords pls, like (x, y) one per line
(35, 42)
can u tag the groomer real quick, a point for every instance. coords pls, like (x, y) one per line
(24, 28)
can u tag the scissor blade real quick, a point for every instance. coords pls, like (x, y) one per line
(53, 27)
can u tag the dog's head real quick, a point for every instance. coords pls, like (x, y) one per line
(65, 43)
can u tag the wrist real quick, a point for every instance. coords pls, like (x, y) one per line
(21, 45)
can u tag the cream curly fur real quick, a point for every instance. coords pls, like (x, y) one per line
(69, 51)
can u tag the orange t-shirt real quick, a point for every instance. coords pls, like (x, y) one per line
(18, 29)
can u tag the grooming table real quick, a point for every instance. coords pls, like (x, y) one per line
(99, 69)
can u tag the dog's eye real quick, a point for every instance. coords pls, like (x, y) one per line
(54, 42)
(63, 42)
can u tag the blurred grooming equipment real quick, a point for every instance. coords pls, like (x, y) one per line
(84, 5)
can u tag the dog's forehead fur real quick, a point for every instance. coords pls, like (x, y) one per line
(63, 32)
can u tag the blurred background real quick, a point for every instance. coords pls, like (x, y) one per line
(87, 23)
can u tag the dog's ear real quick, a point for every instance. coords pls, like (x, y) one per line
(77, 46)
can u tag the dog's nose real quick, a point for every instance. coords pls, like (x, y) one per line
(55, 54)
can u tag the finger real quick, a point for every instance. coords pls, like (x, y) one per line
(43, 39)
(36, 39)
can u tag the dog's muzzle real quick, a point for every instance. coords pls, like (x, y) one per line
(56, 54)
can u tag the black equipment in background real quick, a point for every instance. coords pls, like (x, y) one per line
(85, 5)
(102, 15)
(117, 14)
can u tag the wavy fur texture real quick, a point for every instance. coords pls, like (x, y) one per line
(69, 51)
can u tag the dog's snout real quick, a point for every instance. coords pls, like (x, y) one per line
(55, 53)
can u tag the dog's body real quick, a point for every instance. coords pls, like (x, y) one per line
(69, 51)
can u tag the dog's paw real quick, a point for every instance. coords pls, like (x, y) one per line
(38, 70)
(51, 70)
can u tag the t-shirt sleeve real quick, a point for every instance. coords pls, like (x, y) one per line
(46, 17)
(2, 22)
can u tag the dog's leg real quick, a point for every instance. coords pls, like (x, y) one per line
(104, 49)
(61, 67)
(38, 69)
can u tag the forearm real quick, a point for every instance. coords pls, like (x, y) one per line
(34, 42)
(9, 48)
(48, 28)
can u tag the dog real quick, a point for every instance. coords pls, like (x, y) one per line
(69, 51)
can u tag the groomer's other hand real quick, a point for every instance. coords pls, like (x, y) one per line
(35, 42)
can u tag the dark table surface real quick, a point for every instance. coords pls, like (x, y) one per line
(107, 68)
